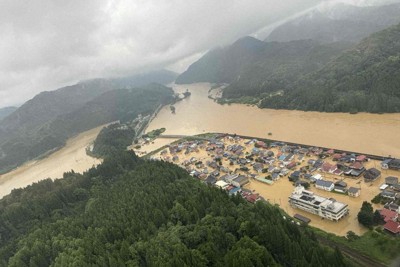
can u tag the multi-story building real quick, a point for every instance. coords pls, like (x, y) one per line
(327, 208)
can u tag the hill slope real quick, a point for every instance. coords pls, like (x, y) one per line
(279, 65)
(121, 104)
(27, 131)
(4, 112)
(223, 65)
(339, 22)
(127, 212)
(365, 78)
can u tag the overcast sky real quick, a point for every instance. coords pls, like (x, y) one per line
(47, 44)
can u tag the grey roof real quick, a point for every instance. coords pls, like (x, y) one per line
(353, 190)
(324, 183)
(392, 180)
(240, 178)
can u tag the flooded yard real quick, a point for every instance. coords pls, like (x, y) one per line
(280, 190)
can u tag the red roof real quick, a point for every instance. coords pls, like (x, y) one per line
(392, 226)
(330, 151)
(326, 167)
(361, 158)
(388, 215)
(356, 165)
(337, 156)
(252, 198)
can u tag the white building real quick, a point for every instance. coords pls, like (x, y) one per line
(324, 185)
(321, 206)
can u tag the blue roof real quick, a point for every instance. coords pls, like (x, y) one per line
(234, 190)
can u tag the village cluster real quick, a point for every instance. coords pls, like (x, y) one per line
(230, 162)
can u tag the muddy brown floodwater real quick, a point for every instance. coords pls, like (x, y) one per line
(363, 132)
(71, 157)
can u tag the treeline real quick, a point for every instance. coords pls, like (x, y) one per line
(122, 104)
(307, 75)
(112, 139)
(365, 78)
(130, 212)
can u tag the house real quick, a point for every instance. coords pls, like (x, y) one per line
(391, 163)
(327, 167)
(336, 157)
(301, 183)
(222, 184)
(234, 191)
(361, 158)
(316, 177)
(302, 218)
(324, 185)
(294, 176)
(371, 175)
(388, 194)
(341, 184)
(394, 164)
(392, 227)
(252, 198)
(211, 180)
(392, 206)
(388, 215)
(291, 165)
(275, 176)
(321, 206)
(353, 192)
(396, 187)
(391, 180)
(288, 158)
(258, 167)
(240, 181)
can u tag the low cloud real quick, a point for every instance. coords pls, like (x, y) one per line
(51, 43)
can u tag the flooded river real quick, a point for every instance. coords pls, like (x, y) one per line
(72, 156)
(366, 133)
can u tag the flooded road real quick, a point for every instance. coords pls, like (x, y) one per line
(363, 132)
(71, 157)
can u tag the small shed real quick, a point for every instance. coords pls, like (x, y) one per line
(302, 218)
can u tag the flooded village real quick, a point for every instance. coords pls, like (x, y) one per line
(322, 187)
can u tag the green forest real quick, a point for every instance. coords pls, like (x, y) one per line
(132, 212)
(121, 104)
(307, 75)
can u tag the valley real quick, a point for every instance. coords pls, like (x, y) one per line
(71, 157)
(362, 132)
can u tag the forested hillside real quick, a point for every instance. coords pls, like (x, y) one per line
(4, 112)
(365, 78)
(279, 65)
(223, 65)
(338, 22)
(121, 104)
(130, 212)
(307, 75)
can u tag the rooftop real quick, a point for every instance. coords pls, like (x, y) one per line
(309, 197)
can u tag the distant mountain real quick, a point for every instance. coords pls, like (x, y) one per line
(253, 67)
(365, 78)
(338, 23)
(48, 105)
(279, 65)
(26, 133)
(4, 112)
(223, 65)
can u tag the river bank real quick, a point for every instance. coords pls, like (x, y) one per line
(365, 133)
(71, 157)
